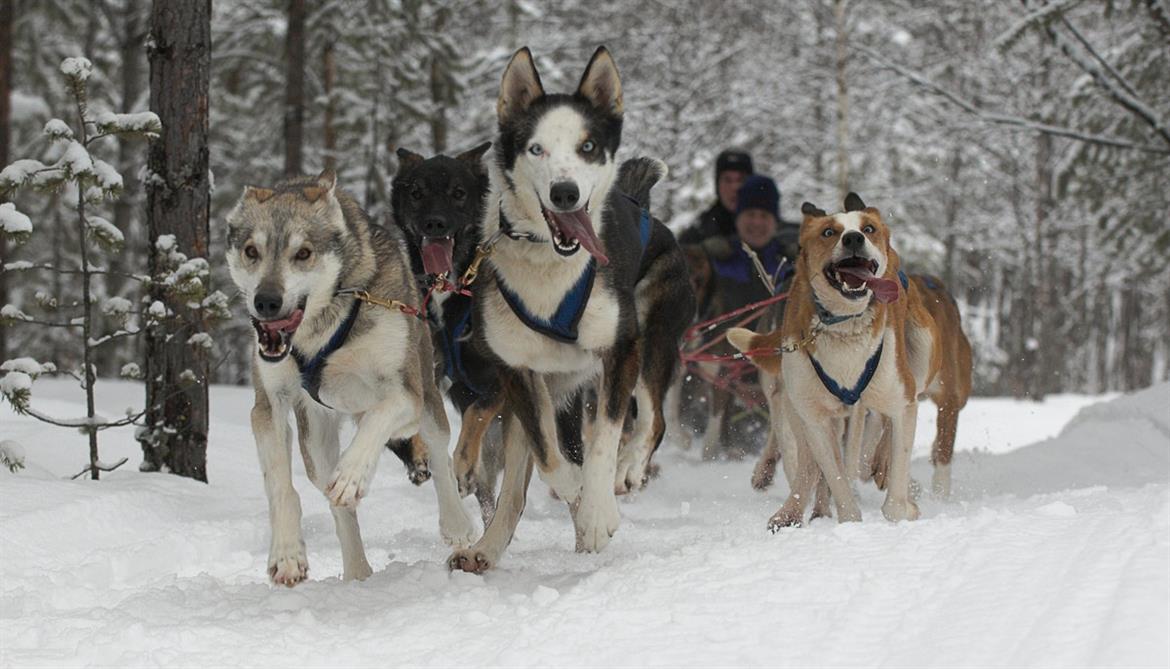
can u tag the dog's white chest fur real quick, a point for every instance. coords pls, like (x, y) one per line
(541, 293)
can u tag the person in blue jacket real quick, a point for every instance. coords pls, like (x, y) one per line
(758, 224)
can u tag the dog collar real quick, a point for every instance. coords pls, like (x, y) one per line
(510, 232)
(311, 369)
(849, 396)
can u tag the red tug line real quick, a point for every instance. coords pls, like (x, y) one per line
(734, 367)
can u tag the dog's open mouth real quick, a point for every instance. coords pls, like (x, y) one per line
(855, 276)
(573, 229)
(437, 253)
(274, 336)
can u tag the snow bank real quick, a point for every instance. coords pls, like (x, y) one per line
(1034, 563)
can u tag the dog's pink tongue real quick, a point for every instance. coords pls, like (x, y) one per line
(885, 290)
(285, 324)
(436, 254)
(576, 225)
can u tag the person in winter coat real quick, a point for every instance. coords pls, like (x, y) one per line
(732, 167)
(758, 224)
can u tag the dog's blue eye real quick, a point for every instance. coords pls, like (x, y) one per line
(536, 149)
(829, 232)
(588, 146)
(869, 229)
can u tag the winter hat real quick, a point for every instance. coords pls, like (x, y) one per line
(733, 159)
(758, 192)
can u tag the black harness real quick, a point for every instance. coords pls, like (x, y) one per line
(311, 369)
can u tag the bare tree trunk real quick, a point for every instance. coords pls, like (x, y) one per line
(178, 204)
(1043, 305)
(131, 42)
(294, 92)
(7, 16)
(951, 217)
(842, 100)
(329, 132)
(440, 95)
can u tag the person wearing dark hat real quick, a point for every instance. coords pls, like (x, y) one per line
(757, 223)
(732, 167)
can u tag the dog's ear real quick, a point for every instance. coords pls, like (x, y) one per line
(326, 182)
(258, 194)
(601, 85)
(408, 158)
(810, 210)
(853, 202)
(520, 86)
(474, 155)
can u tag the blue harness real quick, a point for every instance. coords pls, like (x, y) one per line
(452, 339)
(562, 326)
(849, 396)
(311, 369)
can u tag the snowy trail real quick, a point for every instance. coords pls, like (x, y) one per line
(1055, 551)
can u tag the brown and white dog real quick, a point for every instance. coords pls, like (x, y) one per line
(867, 339)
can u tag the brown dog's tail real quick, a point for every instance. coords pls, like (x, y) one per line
(638, 175)
(761, 348)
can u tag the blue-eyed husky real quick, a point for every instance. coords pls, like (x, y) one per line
(582, 287)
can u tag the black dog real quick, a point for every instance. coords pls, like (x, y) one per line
(438, 202)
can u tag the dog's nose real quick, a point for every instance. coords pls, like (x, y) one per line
(564, 194)
(267, 305)
(434, 227)
(853, 241)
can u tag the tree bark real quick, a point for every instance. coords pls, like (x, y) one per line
(294, 92)
(178, 202)
(7, 16)
(330, 67)
(842, 100)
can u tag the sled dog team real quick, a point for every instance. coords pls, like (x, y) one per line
(552, 297)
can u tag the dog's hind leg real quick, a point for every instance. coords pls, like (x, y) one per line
(532, 404)
(317, 432)
(287, 562)
(634, 455)
(765, 470)
(486, 552)
(944, 446)
(854, 436)
(477, 418)
(454, 524)
(898, 505)
(824, 441)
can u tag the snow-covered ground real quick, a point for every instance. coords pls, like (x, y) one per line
(1054, 551)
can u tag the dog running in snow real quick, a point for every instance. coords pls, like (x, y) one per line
(582, 287)
(298, 251)
(859, 335)
(438, 203)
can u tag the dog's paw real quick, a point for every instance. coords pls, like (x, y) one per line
(465, 479)
(596, 520)
(764, 474)
(631, 476)
(896, 509)
(288, 568)
(470, 560)
(419, 472)
(456, 528)
(785, 517)
(350, 481)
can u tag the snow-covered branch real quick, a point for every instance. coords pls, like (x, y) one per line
(999, 118)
